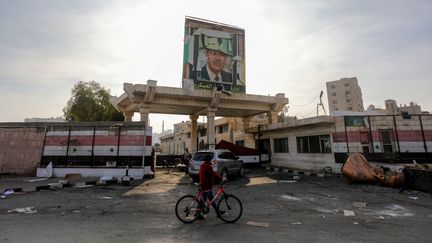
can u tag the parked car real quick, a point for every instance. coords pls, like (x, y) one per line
(223, 161)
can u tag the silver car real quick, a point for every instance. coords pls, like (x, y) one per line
(223, 161)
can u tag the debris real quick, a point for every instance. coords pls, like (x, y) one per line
(91, 182)
(286, 181)
(43, 187)
(2, 196)
(258, 224)
(395, 210)
(34, 180)
(77, 211)
(414, 198)
(107, 180)
(104, 197)
(8, 192)
(358, 204)
(63, 182)
(291, 198)
(46, 172)
(56, 185)
(381, 217)
(358, 169)
(296, 223)
(83, 186)
(49, 169)
(348, 213)
(356, 223)
(296, 178)
(25, 210)
(125, 180)
(73, 176)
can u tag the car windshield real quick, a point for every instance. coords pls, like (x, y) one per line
(200, 156)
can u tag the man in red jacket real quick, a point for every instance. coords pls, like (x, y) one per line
(207, 177)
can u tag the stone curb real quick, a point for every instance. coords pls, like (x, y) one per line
(295, 172)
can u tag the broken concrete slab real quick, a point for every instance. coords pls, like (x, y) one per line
(258, 224)
(359, 204)
(348, 213)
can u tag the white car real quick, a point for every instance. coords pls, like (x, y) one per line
(223, 161)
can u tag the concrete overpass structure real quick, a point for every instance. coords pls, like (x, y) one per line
(150, 98)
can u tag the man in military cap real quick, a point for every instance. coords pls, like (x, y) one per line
(216, 51)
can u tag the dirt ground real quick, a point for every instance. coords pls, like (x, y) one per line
(276, 209)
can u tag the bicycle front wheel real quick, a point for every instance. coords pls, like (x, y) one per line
(230, 208)
(187, 209)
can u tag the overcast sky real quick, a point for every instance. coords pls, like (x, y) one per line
(292, 47)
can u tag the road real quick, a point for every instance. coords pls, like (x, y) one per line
(276, 209)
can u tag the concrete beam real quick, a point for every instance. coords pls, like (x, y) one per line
(150, 91)
(215, 99)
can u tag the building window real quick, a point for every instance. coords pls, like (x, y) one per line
(347, 93)
(281, 145)
(346, 84)
(314, 144)
(333, 94)
(348, 100)
(240, 143)
(349, 108)
(334, 102)
(222, 128)
(333, 86)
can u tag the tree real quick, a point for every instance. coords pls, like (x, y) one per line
(90, 102)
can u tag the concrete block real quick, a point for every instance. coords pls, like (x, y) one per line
(56, 185)
(43, 187)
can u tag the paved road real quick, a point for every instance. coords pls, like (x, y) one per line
(308, 210)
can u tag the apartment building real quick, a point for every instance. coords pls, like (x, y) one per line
(344, 95)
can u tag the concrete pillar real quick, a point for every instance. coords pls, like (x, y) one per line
(144, 113)
(273, 116)
(128, 116)
(211, 136)
(194, 133)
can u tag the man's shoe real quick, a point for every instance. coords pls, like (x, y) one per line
(201, 217)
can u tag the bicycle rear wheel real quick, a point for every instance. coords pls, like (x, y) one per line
(230, 208)
(187, 209)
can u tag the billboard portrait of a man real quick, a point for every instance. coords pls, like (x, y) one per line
(216, 51)
(213, 56)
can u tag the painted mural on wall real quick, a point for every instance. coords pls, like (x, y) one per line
(214, 56)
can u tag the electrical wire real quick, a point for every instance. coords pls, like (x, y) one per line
(312, 100)
(168, 60)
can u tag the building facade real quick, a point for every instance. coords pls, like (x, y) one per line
(344, 95)
(323, 142)
(227, 128)
(319, 142)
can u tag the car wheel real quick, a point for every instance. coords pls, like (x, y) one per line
(224, 173)
(242, 171)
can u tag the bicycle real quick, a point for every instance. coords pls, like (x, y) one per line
(189, 207)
